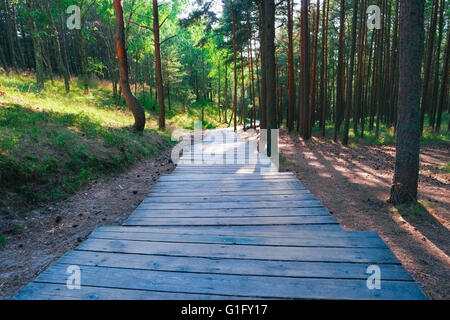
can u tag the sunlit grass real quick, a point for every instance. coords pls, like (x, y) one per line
(386, 135)
(53, 143)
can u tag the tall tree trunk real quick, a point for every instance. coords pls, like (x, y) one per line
(9, 33)
(290, 79)
(132, 102)
(324, 77)
(404, 188)
(348, 108)
(269, 52)
(59, 58)
(314, 68)
(218, 91)
(262, 83)
(38, 57)
(435, 87)
(244, 109)
(233, 23)
(443, 97)
(158, 68)
(427, 68)
(340, 87)
(305, 72)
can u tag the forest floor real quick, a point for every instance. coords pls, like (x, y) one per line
(48, 232)
(354, 184)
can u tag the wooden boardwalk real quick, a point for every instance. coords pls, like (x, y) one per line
(226, 231)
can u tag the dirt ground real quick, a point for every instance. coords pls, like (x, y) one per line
(45, 234)
(354, 184)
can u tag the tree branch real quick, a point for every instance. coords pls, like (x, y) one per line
(168, 39)
(142, 26)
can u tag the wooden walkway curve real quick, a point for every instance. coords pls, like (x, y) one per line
(226, 231)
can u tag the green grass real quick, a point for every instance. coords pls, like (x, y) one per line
(52, 144)
(386, 134)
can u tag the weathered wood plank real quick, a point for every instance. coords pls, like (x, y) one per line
(53, 291)
(249, 286)
(263, 212)
(233, 266)
(358, 240)
(212, 193)
(230, 221)
(228, 199)
(319, 254)
(243, 232)
(232, 205)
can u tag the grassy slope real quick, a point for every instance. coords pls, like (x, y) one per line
(51, 144)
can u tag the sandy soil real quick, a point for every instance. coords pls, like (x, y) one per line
(354, 184)
(45, 234)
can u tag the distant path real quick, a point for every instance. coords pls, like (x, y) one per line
(225, 231)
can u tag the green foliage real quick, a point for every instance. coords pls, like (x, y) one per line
(51, 144)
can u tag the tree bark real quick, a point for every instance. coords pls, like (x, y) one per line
(233, 25)
(427, 68)
(269, 52)
(404, 188)
(132, 102)
(158, 68)
(348, 108)
(340, 73)
(290, 79)
(305, 72)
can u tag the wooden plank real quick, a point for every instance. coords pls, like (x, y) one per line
(353, 255)
(230, 221)
(234, 184)
(226, 177)
(232, 266)
(257, 228)
(358, 240)
(212, 193)
(240, 232)
(263, 212)
(225, 198)
(53, 291)
(234, 285)
(231, 205)
(220, 189)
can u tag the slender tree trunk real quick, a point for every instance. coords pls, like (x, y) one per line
(158, 68)
(406, 176)
(443, 97)
(269, 52)
(235, 66)
(340, 87)
(290, 79)
(305, 72)
(38, 57)
(244, 109)
(314, 68)
(348, 109)
(428, 60)
(263, 82)
(132, 102)
(435, 88)
(218, 92)
(324, 78)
